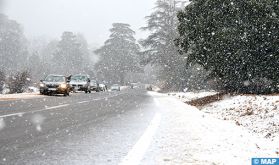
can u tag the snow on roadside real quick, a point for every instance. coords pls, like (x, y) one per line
(188, 96)
(189, 136)
(260, 114)
(4, 97)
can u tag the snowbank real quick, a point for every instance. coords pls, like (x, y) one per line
(4, 97)
(188, 96)
(260, 114)
(189, 136)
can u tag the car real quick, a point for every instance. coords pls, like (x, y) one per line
(103, 87)
(55, 84)
(80, 82)
(115, 87)
(94, 86)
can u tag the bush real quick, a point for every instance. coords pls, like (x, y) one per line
(18, 82)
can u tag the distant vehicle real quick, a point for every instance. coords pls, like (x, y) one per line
(80, 82)
(115, 87)
(103, 87)
(94, 86)
(55, 84)
(133, 85)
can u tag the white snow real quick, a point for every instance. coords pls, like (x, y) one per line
(189, 136)
(4, 97)
(260, 114)
(188, 96)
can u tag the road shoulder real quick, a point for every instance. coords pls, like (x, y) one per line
(188, 136)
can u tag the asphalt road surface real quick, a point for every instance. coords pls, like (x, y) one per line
(96, 128)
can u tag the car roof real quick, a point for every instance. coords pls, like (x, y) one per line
(56, 75)
(81, 75)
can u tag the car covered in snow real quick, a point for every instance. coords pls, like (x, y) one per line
(55, 84)
(115, 87)
(103, 87)
(80, 82)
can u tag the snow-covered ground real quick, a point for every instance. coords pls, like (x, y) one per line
(188, 96)
(260, 114)
(190, 136)
(4, 97)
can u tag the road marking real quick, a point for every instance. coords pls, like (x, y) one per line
(58, 106)
(81, 102)
(136, 154)
(14, 114)
(23, 113)
(54, 107)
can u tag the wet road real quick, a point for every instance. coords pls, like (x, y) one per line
(96, 128)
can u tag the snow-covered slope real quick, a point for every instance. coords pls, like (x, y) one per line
(260, 114)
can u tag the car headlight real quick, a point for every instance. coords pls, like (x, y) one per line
(42, 85)
(63, 85)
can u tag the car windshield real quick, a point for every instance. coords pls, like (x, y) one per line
(79, 78)
(55, 79)
(93, 82)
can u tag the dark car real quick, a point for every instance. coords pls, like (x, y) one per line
(55, 84)
(80, 82)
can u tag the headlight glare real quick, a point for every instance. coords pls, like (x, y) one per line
(63, 85)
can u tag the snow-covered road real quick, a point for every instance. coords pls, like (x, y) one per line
(126, 127)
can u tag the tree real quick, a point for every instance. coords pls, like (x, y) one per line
(19, 82)
(36, 66)
(69, 56)
(2, 80)
(118, 55)
(13, 50)
(237, 41)
(160, 48)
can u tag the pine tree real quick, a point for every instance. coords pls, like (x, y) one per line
(160, 47)
(237, 41)
(69, 57)
(118, 55)
(13, 50)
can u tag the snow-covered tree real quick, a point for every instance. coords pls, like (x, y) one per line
(159, 46)
(13, 50)
(237, 41)
(36, 67)
(69, 57)
(19, 81)
(118, 55)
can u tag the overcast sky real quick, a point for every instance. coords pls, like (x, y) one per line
(93, 18)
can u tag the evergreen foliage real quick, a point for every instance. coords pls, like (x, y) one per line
(237, 41)
(19, 82)
(159, 46)
(118, 55)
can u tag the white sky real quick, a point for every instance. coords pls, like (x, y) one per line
(93, 18)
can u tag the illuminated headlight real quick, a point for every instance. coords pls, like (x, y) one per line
(63, 85)
(42, 85)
